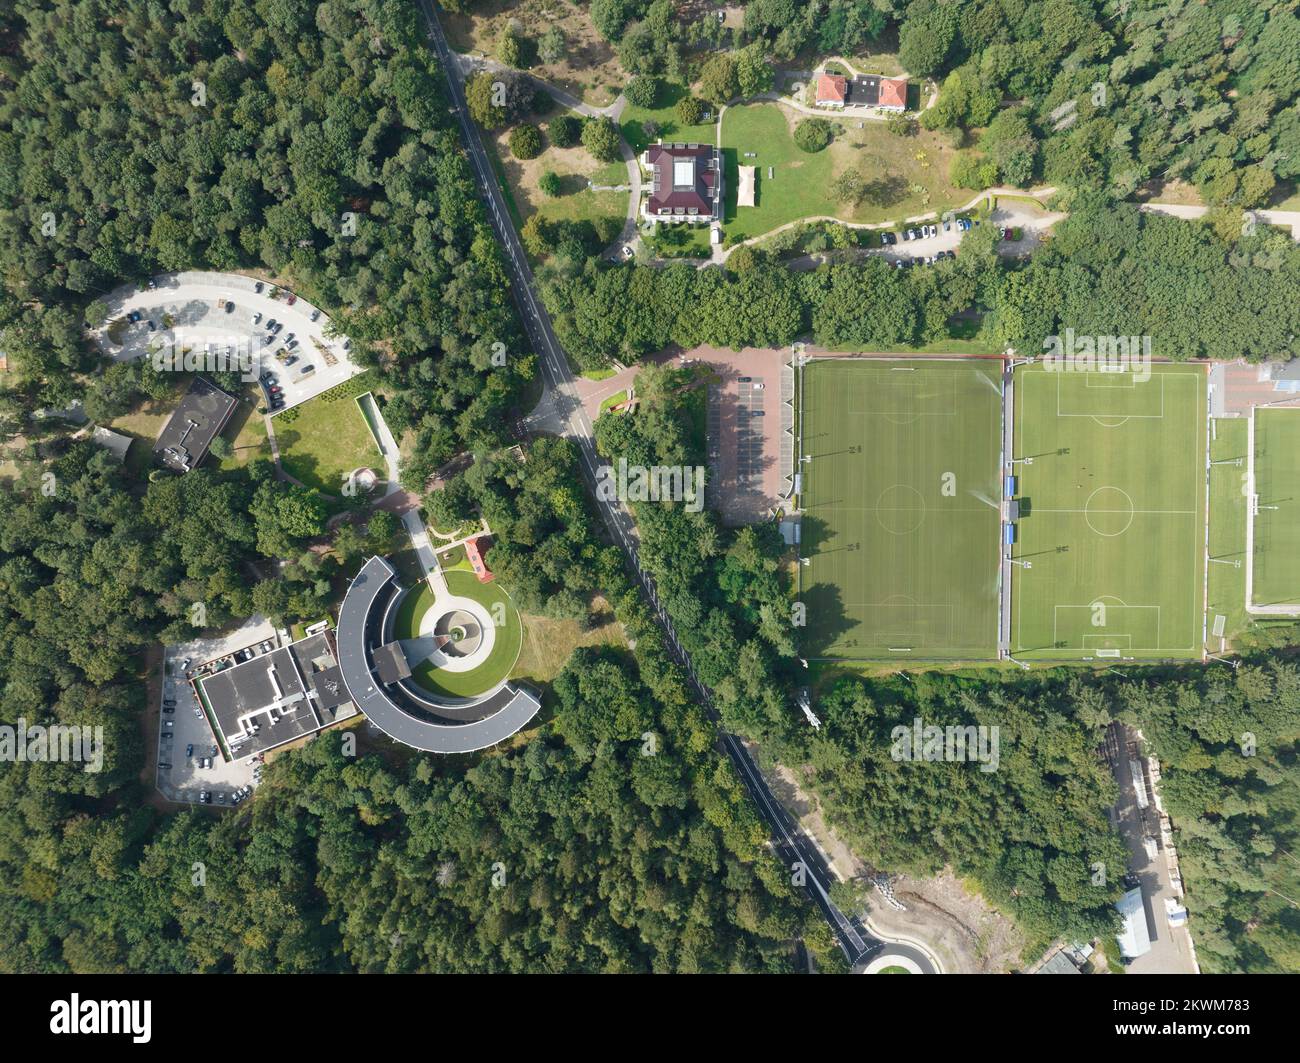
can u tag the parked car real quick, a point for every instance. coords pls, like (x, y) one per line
(189, 750)
(230, 307)
(888, 239)
(258, 287)
(745, 379)
(347, 345)
(292, 299)
(279, 327)
(290, 359)
(169, 723)
(205, 797)
(165, 767)
(198, 712)
(292, 344)
(257, 318)
(152, 284)
(308, 369)
(909, 234)
(152, 326)
(270, 323)
(134, 316)
(758, 387)
(289, 338)
(315, 315)
(169, 709)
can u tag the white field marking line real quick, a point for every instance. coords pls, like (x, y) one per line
(1136, 649)
(1135, 512)
(1123, 605)
(1117, 635)
(1104, 375)
(1126, 416)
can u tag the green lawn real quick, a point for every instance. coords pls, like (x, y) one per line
(905, 176)
(323, 440)
(665, 116)
(505, 650)
(1276, 525)
(1113, 513)
(900, 507)
(1227, 542)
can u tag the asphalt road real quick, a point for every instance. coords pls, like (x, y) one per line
(791, 842)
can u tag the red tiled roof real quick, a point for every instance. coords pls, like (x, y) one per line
(893, 92)
(831, 88)
(476, 560)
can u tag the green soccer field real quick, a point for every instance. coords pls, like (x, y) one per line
(900, 509)
(1275, 530)
(1112, 514)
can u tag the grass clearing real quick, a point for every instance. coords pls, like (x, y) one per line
(321, 442)
(1276, 524)
(589, 69)
(1113, 513)
(905, 176)
(548, 644)
(900, 508)
(664, 115)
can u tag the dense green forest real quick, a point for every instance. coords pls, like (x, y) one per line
(624, 837)
(1108, 270)
(310, 140)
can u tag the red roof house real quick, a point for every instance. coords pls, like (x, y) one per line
(686, 182)
(476, 559)
(832, 90)
(893, 94)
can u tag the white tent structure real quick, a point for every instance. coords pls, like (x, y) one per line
(745, 191)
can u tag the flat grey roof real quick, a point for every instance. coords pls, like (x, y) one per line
(400, 724)
(198, 420)
(284, 692)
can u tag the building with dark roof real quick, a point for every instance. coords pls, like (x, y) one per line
(261, 697)
(402, 710)
(184, 441)
(685, 183)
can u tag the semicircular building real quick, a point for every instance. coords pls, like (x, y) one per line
(377, 674)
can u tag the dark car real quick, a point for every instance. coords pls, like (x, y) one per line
(308, 369)
(315, 315)
(289, 338)
(134, 316)
(292, 299)
(169, 708)
(189, 750)
(230, 307)
(258, 287)
(205, 797)
(291, 359)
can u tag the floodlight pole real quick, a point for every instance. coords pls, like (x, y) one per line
(1022, 564)
(1235, 562)
(1234, 665)
(1021, 461)
(1226, 461)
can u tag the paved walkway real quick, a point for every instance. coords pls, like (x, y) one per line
(1285, 219)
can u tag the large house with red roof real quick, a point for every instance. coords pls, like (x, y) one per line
(685, 183)
(835, 93)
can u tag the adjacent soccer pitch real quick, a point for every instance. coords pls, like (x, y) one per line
(1112, 513)
(1275, 520)
(900, 508)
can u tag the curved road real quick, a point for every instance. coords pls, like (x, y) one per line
(568, 418)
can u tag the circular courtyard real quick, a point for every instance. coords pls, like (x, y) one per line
(461, 642)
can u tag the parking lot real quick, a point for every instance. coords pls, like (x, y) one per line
(187, 729)
(189, 311)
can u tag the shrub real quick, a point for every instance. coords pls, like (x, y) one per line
(689, 110)
(642, 91)
(525, 142)
(564, 131)
(549, 183)
(600, 137)
(812, 134)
